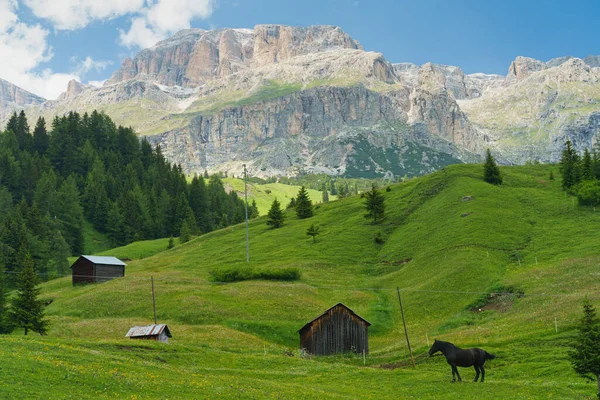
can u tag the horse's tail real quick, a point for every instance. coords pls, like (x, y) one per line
(489, 356)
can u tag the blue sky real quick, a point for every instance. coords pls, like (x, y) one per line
(45, 43)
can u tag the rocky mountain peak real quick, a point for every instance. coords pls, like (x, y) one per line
(193, 57)
(13, 98)
(274, 43)
(73, 89)
(521, 68)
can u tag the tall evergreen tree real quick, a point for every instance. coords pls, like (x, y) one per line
(5, 323)
(26, 309)
(304, 208)
(585, 348)
(375, 204)
(69, 214)
(275, 215)
(569, 166)
(491, 172)
(587, 169)
(23, 134)
(325, 195)
(253, 210)
(41, 140)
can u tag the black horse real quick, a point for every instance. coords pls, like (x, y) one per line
(457, 357)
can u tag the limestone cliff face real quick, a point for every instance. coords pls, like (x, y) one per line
(277, 135)
(433, 104)
(189, 58)
(457, 83)
(13, 98)
(194, 56)
(274, 43)
(288, 100)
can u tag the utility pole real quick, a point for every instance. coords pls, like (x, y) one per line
(405, 330)
(153, 300)
(246, 198)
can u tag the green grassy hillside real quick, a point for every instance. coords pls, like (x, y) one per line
(264, 194)
(240, 340)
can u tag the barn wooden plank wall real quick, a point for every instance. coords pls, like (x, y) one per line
(338, 330)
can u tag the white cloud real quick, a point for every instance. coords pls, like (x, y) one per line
(74, 14)
(139, 35)
(97, 83)
(163, 18)
(24, 47)
(7, 15)
(87, 65)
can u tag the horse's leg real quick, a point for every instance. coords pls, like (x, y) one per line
(476, 372)
(482, 373)
(452, 367)
(457, 374)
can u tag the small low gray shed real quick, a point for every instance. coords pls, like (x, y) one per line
(93, 269)
(159, 332)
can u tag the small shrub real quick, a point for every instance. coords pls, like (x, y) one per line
(379, 237)
(230, 275)
(388, 189)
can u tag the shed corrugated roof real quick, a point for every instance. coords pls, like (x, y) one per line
(150, 330)
(326, 311)
(104, 260)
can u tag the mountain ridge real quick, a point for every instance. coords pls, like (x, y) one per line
(271, 98)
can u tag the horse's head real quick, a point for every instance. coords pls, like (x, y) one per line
(434, 349)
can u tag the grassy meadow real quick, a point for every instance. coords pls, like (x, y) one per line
(505, 269)
(264, 194)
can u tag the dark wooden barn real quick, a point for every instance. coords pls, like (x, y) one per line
(337, 330)
(92, 269)
(158, 332)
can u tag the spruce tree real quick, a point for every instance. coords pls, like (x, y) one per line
(313, 231)
(41, 139)
(585, 348)
(26, 310)
(569, 166)
(253, 210)
(325, 196)
(304, 207)
(491, 172)
(5, 324)
(375, 204)
(587, 171)
(275, 215)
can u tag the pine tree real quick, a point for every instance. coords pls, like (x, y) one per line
(569, 166)
(325, 196)
(313, 231)
(253, 210)
(5, 324)
(26, 310)
(41, 139)
(375, 204)
(587, 172)
(585, 351)
(491, 172)
(304, 207)
(275, 215)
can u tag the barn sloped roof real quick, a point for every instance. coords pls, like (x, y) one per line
(326, 311)
(104, 260)
(150, 330)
